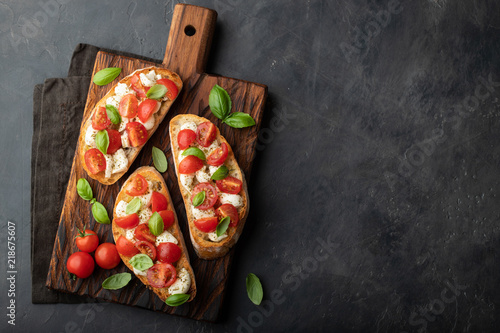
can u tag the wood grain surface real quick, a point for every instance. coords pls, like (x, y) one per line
(186, 55)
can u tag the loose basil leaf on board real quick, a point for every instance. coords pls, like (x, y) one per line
(113, 114)
(100, 214)
(177, 299)
(199, 198)
(159, 160)
(141, 261)
(84, 190)
(117, 281)
(133, 206)
(157, 91)
(254, 289)
(195, 152)
(156, 224)
(219, 102)
(106, 75)
(220, 173)
(222, 226)
(102, 141)
(239, 120)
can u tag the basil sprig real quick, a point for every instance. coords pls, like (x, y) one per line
(133, 206)
(98, 210)
(159, 160)
(177, 299)
(141, 261)
(102, 141)
(220, 104)
(220, 173)
(113, 114)
(254, 289)
(195, 152)
(106, 75)
(199, 198)
(117, 281)
(222, 226)
(155, 224)
(157, 91)
(100, 214)
(84, 190)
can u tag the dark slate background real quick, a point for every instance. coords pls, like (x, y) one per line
(381, 140)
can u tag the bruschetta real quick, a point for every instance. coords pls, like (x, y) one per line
(134, 233)
(205, 162)
(129, 118)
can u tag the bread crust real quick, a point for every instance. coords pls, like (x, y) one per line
(206, 249)
(151, 174)
(165, 106)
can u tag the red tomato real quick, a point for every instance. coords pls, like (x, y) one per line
(190, 164)
(115, 141)
(218, 156)
(168, 218)
(95, 161)
(206, 133)
(185, 138)
(206, 224)
(147, 108)
(137, 186)
(228, 210)
(127, 222)
(161, 275)
(146, 248)
(172, 90)
(142, 232)
(169, 252)
(136, 85)
(158, 202)
(81, 264)
(106, 256)
(125, 247)
(87, 241)
(211, 195)
(229, 185)
(128, 106)
(100, 119)
(137, 133)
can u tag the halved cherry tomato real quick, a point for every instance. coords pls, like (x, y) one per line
(206, 133)
(142, 232)
(137, 186)
(169, 252)
(81, 264)
(87, 240)
(106, 255)
(95, 161)
(136, 85)
(228, 210)
(158, 202)
(127, 222)
(229, 185)
(168, 218)
(211, 195)
(218, 156)
(115, 141)
(126, 247)
(100, 119)
(185, 138)
(206, 224)
(190, 164)
(128, 106)
(147, 108)
(172, 90)
(161, 275)
(137, 133)
(147, 248)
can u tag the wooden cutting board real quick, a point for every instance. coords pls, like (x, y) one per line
(187, 51)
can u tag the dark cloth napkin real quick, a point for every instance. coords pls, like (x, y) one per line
(58, 107)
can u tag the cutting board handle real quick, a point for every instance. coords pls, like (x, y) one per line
(189, 40)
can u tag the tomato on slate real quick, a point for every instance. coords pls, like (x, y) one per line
(169, 252)
(190, 164)
(206, 133)
(211, 195)
(142, 232)
(147, 108)
(137, 133)
(218, 156)
(106, 256)
(115, 141)
(95, 161)
(138, 87)
(100, 119)
(228, 210)
(81, 264)
(161, 275)
(147, 248)
(125, 247)
(127, 222)
(229, 185)
(168, 218)
(206, 224)
(158, 202)
(87, 240)
(172, 90)
(185, 138)
(137, 186)
(128, 106)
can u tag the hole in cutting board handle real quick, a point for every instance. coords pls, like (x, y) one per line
(189, 30)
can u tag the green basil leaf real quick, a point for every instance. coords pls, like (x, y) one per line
(239, 120)
(117, 281)
(106, 75)
(219, 102)
(157, 91)
(222, 226)
(159, 160)
(102, 141)
(155, 224)
(84, 190)
(133, 206)
(199, 198)
(100, 214)
(195, 152)
(220, 173)
(113, 114)
(177, 299)
(141, 261)
(254, 289)
(93, 201)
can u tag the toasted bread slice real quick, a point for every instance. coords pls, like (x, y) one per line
(158, 185)
(205, 247)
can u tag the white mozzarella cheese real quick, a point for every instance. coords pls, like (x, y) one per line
(90, 137)
(146, 199)
(129, 234)
(198, 213)
(187, 181)
(150, 123)
(148, 79)
(165, 237)
(181, 157)
(189, 125)
(144, 215)
(213, 236)
(122, 89)
(138, 272)
(158, 76)
(202, 175)
(120, 208)
(114, 100)
(123, 124)
(125, 140)
(234, 199)
(212, 169)
(120, 161)
(182, 284)
(109, 165)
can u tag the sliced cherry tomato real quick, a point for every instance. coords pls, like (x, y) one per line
(158, 202)
(137, 133)
(218, 156)
(228, 210)
(185, 138)
(100, 119)
(147, 108)
(126, 247)
(169, 252)
(142, 232)
(138, 87)
(95, 161)
(211, 195)
(146, 248)
(81, 264)
(168, 218)
(115, 141)
(87, 240)
(172, 90)
(206, 224)
(161, 275)
(106, 256)
(127, 222)
(137, 186)
(128, 106)
(190, 164)
(229, 185)
(206, 133)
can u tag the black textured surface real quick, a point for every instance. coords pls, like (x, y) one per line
(376, 157)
